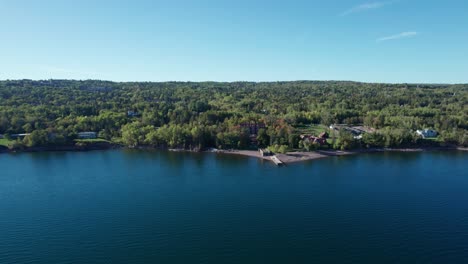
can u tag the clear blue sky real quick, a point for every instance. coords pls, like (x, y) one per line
(235, 40)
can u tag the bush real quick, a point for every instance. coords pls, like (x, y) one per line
(283, 149)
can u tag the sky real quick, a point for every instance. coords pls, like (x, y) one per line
(395, 41)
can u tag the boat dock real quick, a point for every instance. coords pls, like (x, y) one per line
(277, 161)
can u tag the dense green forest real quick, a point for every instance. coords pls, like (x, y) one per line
(213, 114)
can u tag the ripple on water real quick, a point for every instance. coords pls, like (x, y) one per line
(140, 207)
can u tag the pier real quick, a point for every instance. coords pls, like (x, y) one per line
(277, 161)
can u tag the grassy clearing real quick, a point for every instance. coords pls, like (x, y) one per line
(433, 139)
(92, 140)
(311, 129)
(5, 142)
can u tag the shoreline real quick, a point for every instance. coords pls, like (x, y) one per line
(288, 158)
(70, 148)
(300, 156)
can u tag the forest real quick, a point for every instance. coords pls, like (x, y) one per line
(202, 115)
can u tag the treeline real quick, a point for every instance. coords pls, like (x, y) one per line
(209, 114)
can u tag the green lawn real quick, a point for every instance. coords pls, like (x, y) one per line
(92, 140)
(433, 138)
(5, 142)
(311, 129)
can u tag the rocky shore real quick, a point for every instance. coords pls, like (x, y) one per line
(298, 156)
(287, 158)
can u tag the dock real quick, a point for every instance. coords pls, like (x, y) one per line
(277, 161)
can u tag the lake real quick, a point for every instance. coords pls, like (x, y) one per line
(131, 206)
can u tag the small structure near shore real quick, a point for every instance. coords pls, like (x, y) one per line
(131, 113)
(252, 129)
(19, 136)
(87, 135)
(321, 139)
(277, 161)
(265, 152)
(427, 133)
(357, 131)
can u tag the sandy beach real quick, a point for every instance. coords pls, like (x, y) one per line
(290, 157)
(298, 156)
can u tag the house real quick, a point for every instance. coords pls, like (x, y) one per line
(427, 133)
(253, 127)
(358, 137)
(131, 113)
(323, 135)
(87, 135)
(19, 136)
(356, 131)
(321, 140)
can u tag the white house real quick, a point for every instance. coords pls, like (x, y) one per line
(87, 135)
(427, 133)
(358, 137)
(131, 113)
(20, 136)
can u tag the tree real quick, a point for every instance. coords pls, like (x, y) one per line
(205, 114)
(134, 134)
(263, 138)
(373, 140)
(36, 138)
(345, 140)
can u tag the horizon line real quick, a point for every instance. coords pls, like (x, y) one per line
(238, 81)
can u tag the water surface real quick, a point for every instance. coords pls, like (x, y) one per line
(161, 207)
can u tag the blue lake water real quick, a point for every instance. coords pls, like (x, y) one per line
(162, 207)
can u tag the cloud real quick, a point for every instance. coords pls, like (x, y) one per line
(408, 34)
(365, 7)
